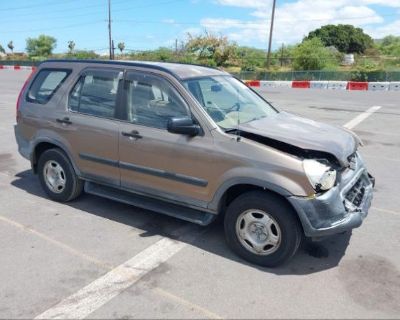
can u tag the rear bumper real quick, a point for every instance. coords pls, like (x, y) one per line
(24, 147)
(342, 208)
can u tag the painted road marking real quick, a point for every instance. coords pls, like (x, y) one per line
(209, 314)
(90, 298)
(361, 117)
(59, 244)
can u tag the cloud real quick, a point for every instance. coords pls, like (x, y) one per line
(294, 20)
(382, 31)
(244, 3)
(169, 21)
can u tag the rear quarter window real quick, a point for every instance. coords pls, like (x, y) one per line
(45, 84)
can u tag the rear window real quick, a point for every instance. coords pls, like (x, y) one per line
(45, 84)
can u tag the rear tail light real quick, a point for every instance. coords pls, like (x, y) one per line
(20, 95)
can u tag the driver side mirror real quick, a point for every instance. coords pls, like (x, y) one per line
(183, 125)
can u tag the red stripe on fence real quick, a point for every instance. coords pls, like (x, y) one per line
(1, 66)
(301, 84)
(17, 67)
(354, 85)
(253, 83)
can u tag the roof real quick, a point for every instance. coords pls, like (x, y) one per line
(179, 70)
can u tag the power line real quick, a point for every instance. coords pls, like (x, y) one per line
(57, 28)
(79, 8)
(34, 6)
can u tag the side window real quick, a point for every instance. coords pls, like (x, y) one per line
(152, 101)
(46, 83)
(95, 93)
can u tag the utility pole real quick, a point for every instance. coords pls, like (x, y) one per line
(282, 55)
(110, 42)
(270, 34)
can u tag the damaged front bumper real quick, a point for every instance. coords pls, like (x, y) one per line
(342, 208)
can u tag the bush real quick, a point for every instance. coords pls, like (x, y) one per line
(83, 54)
(312, 55)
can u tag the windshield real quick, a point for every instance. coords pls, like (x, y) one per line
(228, 101)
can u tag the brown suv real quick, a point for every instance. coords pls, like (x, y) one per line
(193, 143)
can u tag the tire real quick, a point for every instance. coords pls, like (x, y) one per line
(57, 176)
(262, 228)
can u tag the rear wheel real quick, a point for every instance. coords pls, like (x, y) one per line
(57, 176)
(262, 228)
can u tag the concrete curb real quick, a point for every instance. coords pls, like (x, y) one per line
(17, 67)
(329, 85)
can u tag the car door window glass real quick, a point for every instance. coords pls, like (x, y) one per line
(46, 84)
(152, 101)
(95, 93)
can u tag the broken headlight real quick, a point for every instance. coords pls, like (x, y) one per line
(321, 176)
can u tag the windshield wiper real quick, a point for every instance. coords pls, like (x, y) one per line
(258, 118)
(230, 130)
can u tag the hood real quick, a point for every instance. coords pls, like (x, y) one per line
(285, 129)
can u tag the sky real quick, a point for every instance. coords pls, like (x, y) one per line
(143, 25)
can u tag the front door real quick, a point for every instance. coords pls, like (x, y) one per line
(154, 161)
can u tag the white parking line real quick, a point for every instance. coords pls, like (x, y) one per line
(90, 298)
(361, 117)
(170, 296)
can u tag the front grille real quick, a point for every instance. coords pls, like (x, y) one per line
(354, 197)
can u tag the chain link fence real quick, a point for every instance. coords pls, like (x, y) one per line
(355, 75)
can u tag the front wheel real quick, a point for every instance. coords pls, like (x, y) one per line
(262, 228)
(57, 176)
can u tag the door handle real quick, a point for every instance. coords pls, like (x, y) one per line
(133, 134)
(64, 120)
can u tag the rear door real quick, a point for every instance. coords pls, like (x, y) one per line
(90, 126)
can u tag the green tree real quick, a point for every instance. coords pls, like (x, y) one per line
(71, 46)
(344, 37)
(2, 49)
(41, 46)
(390, 45)
(312, 55)
(211, 49)
(10, 46)
(121, 46)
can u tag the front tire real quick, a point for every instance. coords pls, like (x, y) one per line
(57, 176)
(262, 228)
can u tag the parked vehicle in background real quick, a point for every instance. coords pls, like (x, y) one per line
(193, 143)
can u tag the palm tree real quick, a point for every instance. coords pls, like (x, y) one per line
(71, 46)
(10, 46)
(121, 46)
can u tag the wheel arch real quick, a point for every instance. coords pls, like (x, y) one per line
(230, 191)
(43, 145)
